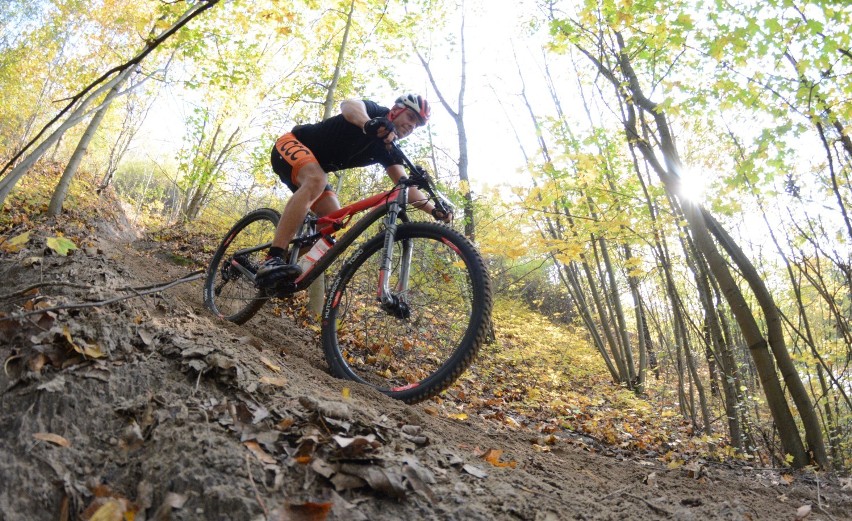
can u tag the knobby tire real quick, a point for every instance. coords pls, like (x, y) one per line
(227, 293)
(416, 357)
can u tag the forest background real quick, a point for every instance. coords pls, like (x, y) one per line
(670, 184)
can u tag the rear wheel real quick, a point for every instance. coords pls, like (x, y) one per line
(229, 289)
(417, 347)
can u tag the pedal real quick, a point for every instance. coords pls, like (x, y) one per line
(283, 290)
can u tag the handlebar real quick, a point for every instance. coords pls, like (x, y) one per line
(420, 178)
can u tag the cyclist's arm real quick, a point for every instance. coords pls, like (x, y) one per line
(355, 112)
(415, 196)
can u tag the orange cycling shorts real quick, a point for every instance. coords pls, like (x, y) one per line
(288, 156)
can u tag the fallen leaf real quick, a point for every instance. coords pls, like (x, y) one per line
(386, 481)
(112, 510)
(146, 336)
(285, 424)
(475, 471)
(277, 381)
(307, 511)
(305, 450)
(270, 365)
(460, 416)
(60, 245)
(651, 479)
(92, 351)
(52, 438)
(492, 456)
(261, 455)
(675, 464)
(54, 386)
(346, 393)
(693, 469)
(36, 364)
(803, 511)
(323, 468)
(15, 244)
(173, 501)
(415, 476)
(346, 481)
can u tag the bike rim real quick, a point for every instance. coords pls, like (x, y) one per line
(398, 355)
(231, 290)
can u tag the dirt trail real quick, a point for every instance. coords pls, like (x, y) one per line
(187, 417)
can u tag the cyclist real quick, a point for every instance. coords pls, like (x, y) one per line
(359, 136)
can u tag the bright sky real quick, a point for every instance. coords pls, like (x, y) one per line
(493, 148)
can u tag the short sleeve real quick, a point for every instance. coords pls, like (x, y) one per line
(374, 110)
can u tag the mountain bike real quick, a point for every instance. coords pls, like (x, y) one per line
(408, 309)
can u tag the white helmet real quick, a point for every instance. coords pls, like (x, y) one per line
(417, 103)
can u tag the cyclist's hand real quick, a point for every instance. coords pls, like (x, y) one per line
(442, 216)
(381, 128)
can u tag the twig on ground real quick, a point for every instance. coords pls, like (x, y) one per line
(43, 284)
(617, 492)
(254, 487)
(83, 286)
(545, 494)
(824, 511)
(153, 289)
(819, 499)
(655, 508)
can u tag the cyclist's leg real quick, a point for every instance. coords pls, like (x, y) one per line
(297, 167)
(326, 204)
(311, 183)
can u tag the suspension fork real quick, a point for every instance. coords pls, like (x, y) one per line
(388, 298)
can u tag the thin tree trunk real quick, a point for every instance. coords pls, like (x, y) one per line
(61, 191)
(82, 100)
(629, 86)
(458, 117)
(316, 293)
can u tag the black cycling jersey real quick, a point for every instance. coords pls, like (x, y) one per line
(338, 144)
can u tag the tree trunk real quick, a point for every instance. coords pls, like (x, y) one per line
(813, 431)
(630, 90)
(82, 100)
(61, 191)
(316, 293)
(458, 117)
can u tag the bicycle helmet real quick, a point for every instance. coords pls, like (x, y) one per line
(415, 102)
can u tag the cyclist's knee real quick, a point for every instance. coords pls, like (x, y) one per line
(313, 180)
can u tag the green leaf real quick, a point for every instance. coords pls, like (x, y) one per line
(61, 245)
(685, 21)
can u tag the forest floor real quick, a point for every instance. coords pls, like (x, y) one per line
(151, 408)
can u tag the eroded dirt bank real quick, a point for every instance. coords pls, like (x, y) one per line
(151, 405)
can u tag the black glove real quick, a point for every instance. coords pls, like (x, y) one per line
(440, 215)
(371, 128)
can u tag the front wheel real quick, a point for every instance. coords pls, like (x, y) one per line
(229, 290)
(417, 348)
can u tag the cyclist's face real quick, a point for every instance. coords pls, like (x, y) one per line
(405, 123)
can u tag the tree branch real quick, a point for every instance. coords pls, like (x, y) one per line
(147, 290)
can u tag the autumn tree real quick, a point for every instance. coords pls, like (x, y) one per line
(77, 108)
(619, 58)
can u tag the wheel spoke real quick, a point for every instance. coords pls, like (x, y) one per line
(228, 291)
(396, 355)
